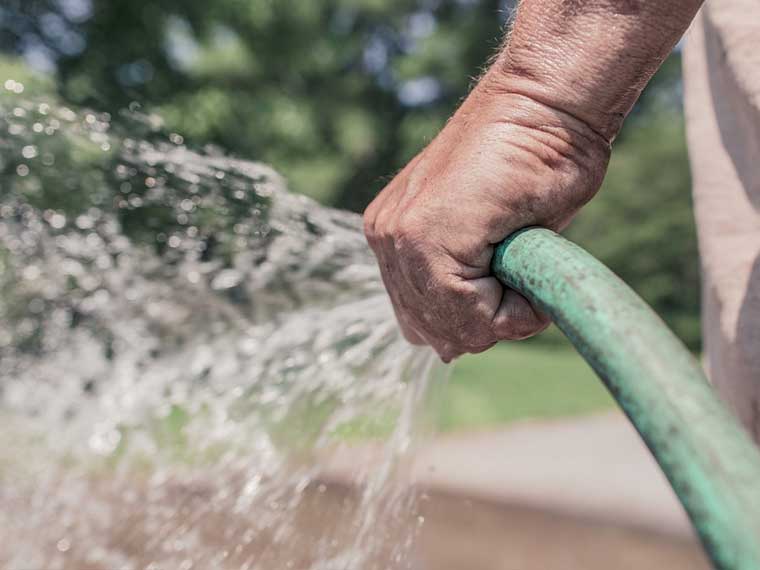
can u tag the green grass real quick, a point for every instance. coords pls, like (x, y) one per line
(515, 381)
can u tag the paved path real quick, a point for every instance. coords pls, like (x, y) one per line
(594, 467)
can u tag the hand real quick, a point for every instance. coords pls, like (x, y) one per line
(503, 162)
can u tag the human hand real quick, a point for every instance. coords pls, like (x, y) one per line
(503, 162)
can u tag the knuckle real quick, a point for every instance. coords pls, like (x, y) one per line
(384, 228)
(369, 227)
(405, 237)
(370, 222)
(410, 227)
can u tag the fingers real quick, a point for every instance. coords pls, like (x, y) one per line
(454, 316)
(454, 307)
(476, 315)
(459, 317)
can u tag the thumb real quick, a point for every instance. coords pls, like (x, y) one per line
(516, 318)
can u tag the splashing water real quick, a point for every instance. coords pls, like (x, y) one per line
(182, 343)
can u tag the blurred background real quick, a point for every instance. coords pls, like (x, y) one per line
(337, 95)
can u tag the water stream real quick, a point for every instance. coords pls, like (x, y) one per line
(182, 345)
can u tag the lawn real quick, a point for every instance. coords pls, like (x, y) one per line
(515, 381)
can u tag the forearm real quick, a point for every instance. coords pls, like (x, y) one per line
(529, 146)
(589, 58)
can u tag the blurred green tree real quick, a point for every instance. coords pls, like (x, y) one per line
(641, 223)
(339, 94)
(336, 93)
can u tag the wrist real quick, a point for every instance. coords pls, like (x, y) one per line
(550, 127)
(560, 159)
(601, 114)
(591, 59)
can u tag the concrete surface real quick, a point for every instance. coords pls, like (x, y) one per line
(594, 468)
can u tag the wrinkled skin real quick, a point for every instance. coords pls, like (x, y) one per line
(503, 162)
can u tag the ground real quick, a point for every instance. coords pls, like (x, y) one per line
(520, 380)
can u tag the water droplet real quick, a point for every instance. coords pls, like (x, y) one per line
(29, 152)
(155, 341)
(57, 221)
(226, 279)
(106, 441)
(63, 545)
(36, 306)
(84, 222)
(66, 114)
(22, 170)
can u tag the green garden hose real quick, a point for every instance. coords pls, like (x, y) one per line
(709, 459)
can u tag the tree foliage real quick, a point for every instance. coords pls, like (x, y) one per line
(339, 94)
(336, 93)
(641, 223)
